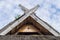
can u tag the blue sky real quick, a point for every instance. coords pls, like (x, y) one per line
(49, 11)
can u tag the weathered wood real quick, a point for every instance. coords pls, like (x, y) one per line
(29, 37)
(28, 22)
(43, 27)
(14, 25)
(49, 28)
(4, 32)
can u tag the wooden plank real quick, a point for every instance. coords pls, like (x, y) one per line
(28, 37)
(50, 29)
(18, 21)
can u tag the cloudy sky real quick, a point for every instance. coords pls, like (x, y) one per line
(49, 11)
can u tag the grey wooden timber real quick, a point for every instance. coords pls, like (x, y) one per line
(28, 13)
(29, 37)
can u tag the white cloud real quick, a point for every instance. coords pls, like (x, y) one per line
(2, 4)
(52, 10)
(43, 14)
(46, 11)
(11, 8)
(57, 3)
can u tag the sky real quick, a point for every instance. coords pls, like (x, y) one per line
(49, 11)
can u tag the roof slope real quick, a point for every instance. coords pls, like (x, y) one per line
(30, 13)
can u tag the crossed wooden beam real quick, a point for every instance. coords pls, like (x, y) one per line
(12, 25)
(28, 13)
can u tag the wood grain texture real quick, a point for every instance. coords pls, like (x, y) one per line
(29, 37)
